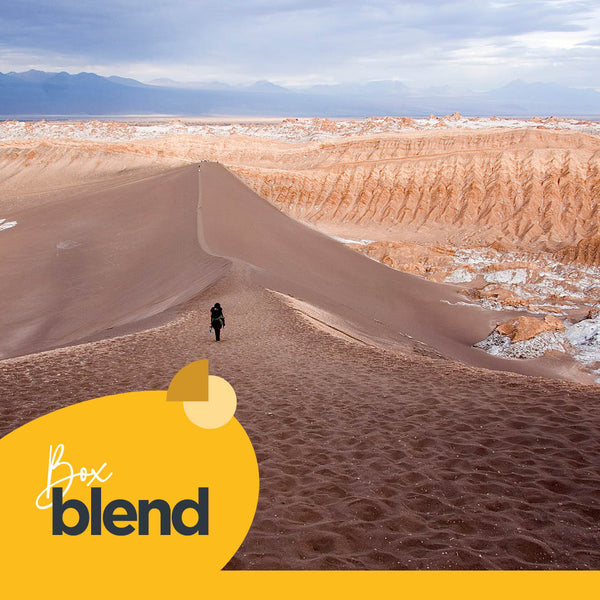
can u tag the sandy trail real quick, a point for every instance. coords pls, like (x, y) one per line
(367, 459)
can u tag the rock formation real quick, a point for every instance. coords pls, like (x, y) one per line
(525, 328)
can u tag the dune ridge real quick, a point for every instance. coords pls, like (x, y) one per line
(446, 202)
(305, 264)
(438, 202)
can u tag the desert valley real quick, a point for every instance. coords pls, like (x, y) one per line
(413, 317)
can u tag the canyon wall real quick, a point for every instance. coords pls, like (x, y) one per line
(528, 189)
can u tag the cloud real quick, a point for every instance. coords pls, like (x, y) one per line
(289, 40)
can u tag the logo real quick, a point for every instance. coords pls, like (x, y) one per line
(169, 478)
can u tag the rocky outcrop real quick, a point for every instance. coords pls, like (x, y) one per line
(526, 328)
(526, 337)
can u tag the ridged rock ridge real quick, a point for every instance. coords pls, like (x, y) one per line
(527, 188)
(586, 251)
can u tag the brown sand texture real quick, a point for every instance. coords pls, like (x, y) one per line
(384, 440)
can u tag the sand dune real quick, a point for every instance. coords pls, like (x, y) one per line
(82, 267)
(421, 197)
(93, 262)
(299, 261)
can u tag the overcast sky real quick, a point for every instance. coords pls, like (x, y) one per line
(479, 44)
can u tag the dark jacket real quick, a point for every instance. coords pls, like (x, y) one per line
(216, 317)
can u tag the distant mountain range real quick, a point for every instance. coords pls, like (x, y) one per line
(38, 93)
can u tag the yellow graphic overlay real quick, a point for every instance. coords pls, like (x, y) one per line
(190, 384)
(136, 448)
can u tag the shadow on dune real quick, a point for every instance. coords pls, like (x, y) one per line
(383, 303)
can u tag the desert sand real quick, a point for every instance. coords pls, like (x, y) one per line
(384, 439)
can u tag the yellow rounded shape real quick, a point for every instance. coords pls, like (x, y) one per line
(219, 409)
(142, 449)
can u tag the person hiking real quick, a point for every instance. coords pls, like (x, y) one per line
(217, 320)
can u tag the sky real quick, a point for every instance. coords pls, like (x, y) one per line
(474, 44)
